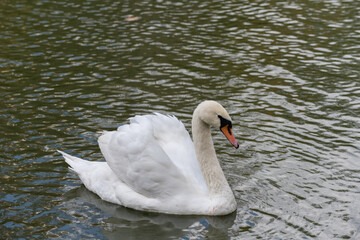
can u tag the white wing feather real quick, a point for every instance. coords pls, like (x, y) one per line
(172, 136)
(154, 156)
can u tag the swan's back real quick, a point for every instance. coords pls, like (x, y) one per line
(154, 155)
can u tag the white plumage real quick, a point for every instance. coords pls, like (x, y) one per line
(152, 165)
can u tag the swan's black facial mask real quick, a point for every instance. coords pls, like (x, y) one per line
(224, 122)
(225, 128)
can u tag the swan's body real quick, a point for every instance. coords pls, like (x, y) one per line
(152, 165)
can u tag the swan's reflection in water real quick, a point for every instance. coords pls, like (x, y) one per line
(118, 222)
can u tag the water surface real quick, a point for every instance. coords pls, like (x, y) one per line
(288, 72)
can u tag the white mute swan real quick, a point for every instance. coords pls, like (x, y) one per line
(152, 165)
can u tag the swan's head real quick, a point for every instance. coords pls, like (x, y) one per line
(215, 115)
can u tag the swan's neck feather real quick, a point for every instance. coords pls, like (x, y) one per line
(205, 153)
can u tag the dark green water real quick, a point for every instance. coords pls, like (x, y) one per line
(288, 72)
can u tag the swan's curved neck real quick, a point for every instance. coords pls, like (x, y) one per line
(205, 153)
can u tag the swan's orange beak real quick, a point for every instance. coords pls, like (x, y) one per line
(226, 130)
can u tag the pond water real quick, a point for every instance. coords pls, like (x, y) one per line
(287, 71)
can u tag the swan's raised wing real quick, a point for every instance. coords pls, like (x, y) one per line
(172, 136)
(151, 157)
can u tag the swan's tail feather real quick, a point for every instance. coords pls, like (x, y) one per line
(75, 163)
